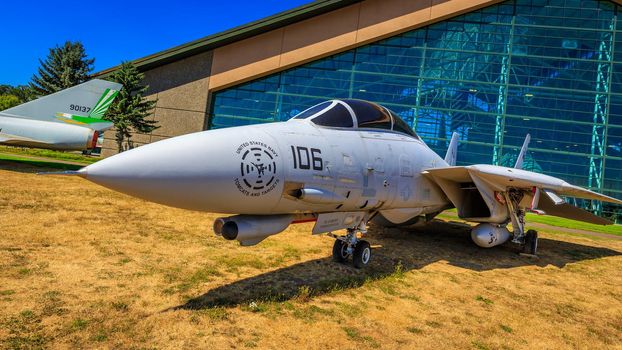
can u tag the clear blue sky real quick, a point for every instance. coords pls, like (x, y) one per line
(116, 30)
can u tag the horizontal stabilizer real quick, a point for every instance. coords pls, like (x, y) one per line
(490, 180)
(568, 211)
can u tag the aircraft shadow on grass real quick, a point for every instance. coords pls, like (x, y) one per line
(412, 248)
(33, 166)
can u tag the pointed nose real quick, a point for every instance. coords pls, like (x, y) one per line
(197, 171)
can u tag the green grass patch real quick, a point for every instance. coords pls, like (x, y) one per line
(354, 334)
(216, 313)
(555, 221)
(505, 328)
(46, 153)
(572, 224)
(484, 300)
(38, 163)
(79, 324)
(414, 330)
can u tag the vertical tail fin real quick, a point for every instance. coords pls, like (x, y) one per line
(91, 99)
(523, 152)
(103, 104)
(452, 150)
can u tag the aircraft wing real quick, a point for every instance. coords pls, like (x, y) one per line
(490, 179)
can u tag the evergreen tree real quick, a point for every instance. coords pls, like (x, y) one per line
(8, 101)
(23, 92)
(64, 67)
(130, 110)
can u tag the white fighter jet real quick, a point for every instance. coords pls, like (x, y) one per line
(70, 119)
(341, 164)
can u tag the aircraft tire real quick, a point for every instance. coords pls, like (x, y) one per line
(340, 254)
(531, 242)
(362, 254)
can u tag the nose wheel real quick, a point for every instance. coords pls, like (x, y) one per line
(350, 246)
(340, 251)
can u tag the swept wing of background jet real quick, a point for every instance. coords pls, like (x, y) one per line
(70, 119)
(341, 164)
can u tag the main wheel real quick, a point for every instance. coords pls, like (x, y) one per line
(340, 251)
(531, 242)
(362, 254)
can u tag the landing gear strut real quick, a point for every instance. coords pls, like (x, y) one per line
(527, 241)
(351, 246)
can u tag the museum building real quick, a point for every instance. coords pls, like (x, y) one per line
(493, 71)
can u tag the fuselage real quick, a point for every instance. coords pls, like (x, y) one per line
(17, 131)
(263, 169)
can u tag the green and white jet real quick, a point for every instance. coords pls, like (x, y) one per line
(70, 119)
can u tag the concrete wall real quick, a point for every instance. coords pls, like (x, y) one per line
(183, 87)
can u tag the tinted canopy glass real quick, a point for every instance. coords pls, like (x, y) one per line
(400, 125)
(336, 116)
(370, 115)
(311, 111)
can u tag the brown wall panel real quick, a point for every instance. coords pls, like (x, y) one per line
(320, 35)
(442, 9)
(328, 34)
(381, 18)
(256, 55)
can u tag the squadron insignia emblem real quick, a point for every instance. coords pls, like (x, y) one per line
(258, 169)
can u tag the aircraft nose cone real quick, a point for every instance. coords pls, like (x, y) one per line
(161, 172)
(197, 171)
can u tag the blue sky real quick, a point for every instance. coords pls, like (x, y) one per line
(115, 30)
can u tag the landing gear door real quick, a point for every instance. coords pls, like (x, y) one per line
(328, 222)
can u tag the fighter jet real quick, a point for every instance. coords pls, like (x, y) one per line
(341, 164)
(70, 119)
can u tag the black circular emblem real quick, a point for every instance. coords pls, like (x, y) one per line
(257, 169)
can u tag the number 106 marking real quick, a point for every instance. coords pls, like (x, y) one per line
(305, 158)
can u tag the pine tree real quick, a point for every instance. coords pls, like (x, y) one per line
(8, 101)
(24, 93)
(130, 110)
(64, 67)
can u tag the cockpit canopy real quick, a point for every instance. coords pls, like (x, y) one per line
(355, 114)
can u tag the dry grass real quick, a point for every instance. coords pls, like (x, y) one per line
(84, 267)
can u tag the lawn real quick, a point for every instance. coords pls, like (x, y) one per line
(52, 164)
(51, 154)
(555, 221)
(85, 267)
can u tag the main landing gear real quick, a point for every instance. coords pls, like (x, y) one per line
(351, 246)
(528, 241)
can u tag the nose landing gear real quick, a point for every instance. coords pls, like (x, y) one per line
(351, 246)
